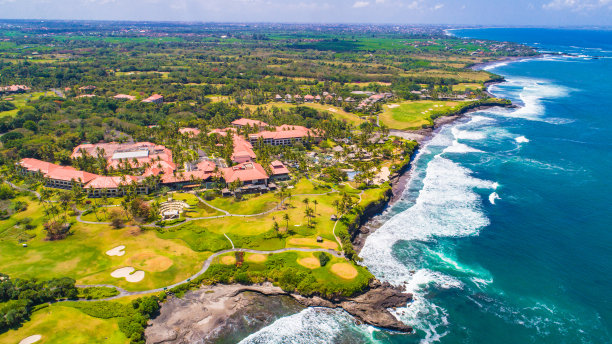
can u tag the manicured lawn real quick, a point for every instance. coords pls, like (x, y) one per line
(248, 204)
(59, 324)
(20, 101)
(82, 256)
(335, 111)
(463, 76)
(412, 114)
(464, 86)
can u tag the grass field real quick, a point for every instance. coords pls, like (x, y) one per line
(172, 254)
(56, 324)
(464, 86)
(462, 76)
(412, 115)
(249, 204)
(164, 75)
(335, 111)
(21, 101)
(82, 254)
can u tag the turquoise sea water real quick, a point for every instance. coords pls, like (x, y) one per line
(505, 231)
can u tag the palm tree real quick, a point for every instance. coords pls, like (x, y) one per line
(309, 214)
(336, 204)
(315, 202)
(306, 201)
(286, 218)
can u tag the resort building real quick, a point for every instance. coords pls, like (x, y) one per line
(253, 123)
(66, 177)
(243, 150)
(61, 177)
(284, 135)
(279, 171)
(247, 173)
(124, 97)
(14, 89)
(139, 154)
(156, 99)
(190, 131)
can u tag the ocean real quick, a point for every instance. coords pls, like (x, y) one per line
(504, 233)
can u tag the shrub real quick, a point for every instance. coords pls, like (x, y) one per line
(6, 192)
(323, 258)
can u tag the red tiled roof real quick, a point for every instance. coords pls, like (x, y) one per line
(190, 131)
(155, 152)
(104, 182)
(153, 98)
(285, 132)
(124, 96)
(57, 172)
(244, 172)
(242, 148)
(206, 165)
(252, 122)
(184, 176)
(278, 168)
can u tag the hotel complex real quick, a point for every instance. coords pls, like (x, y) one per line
(157, 166)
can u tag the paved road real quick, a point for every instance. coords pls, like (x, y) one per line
(205, 266)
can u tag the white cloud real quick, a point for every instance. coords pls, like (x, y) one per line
(360, 4)
(438, 6)
(576, 5)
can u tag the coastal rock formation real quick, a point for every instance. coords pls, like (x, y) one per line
(370, 307)
(218, 311)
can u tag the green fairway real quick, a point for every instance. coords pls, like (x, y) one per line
(21, 101)
(411, 115)
(82, 255)
(57, 325)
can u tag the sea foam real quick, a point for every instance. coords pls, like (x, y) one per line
(521, 139)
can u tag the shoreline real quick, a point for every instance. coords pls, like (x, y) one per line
(370, 306)
(401, 180)
(216, 311)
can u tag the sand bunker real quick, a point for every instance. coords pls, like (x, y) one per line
(332, 110)
(344, 270)
(117, 251)
(228, 260)
(129, 274)
(31, 339)
(392, 106)
(151, 262)
(309, 262)
(256, 258)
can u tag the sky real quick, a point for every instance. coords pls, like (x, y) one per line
(470, 12)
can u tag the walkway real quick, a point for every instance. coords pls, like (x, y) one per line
(205, 266)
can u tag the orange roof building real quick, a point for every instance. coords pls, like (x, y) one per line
(190, 131)
(156, 99)
(284, 135)
(279, 170)
(247, 173)
(137, 154)
(243, 122)
(124, 97)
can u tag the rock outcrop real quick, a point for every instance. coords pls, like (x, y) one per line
(211, 312)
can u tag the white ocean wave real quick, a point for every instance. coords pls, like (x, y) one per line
(521, 139)
(468, 134)
(492, 197)
(446, 206)
(310, 326)
(532, 94)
